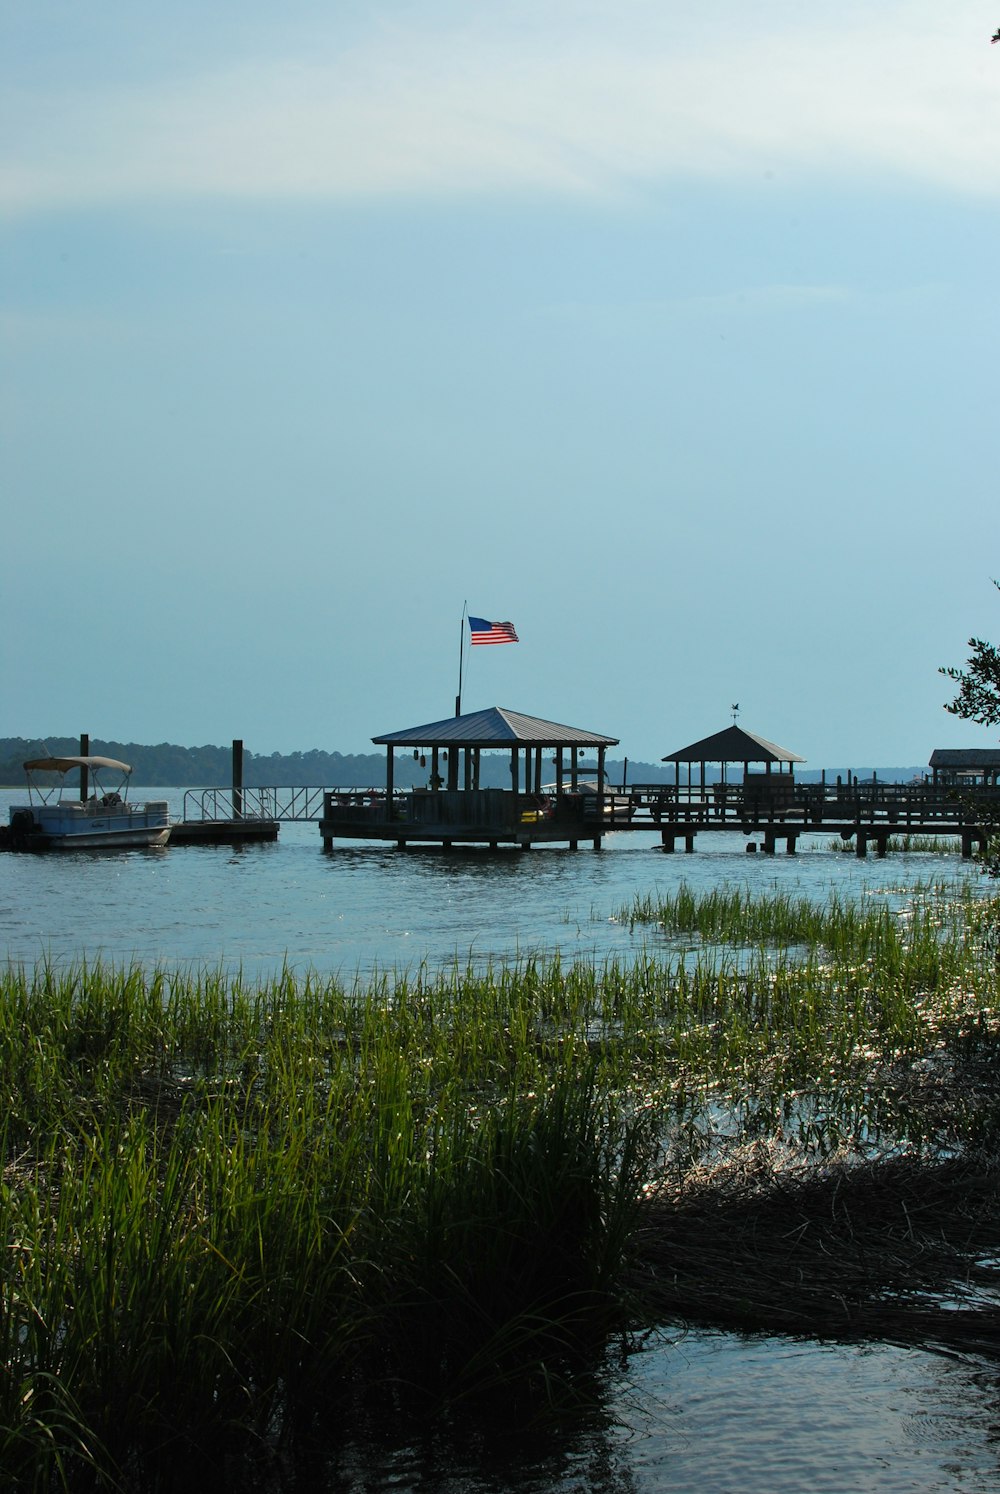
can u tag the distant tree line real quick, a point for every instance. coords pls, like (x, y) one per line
(170, 766)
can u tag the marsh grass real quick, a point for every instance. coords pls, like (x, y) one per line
(222, 1205)
(938, 845)
(235, 1213)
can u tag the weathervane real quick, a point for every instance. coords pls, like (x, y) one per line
(735, 710)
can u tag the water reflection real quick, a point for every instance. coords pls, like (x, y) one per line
(707, 1411)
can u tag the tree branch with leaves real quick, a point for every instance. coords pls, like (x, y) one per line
(978, 697)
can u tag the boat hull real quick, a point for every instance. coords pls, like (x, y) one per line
(90, 826)
(104, 840)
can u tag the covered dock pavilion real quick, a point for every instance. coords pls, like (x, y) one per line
(766, 794)
(965, 767)
(456, 807)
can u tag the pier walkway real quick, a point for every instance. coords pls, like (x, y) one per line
(768, 810)
(772, 808)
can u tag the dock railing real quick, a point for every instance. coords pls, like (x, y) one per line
(467, 808)
(640, 805)
(271, 803)
(903, 804)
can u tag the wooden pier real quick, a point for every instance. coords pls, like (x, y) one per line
(869, 815)
(768, 808)
(771, 813)
(779, 810)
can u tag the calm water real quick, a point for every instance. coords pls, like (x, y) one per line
(698, 1411)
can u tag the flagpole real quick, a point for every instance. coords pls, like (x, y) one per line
(461, 651)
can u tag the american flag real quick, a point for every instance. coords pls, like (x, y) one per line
(491, 632)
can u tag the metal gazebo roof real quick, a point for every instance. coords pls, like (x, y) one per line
(733, 745)
(494, 727)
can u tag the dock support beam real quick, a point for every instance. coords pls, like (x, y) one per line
(237, 778)
(84, 773)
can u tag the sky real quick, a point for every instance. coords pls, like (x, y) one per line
(668, 332)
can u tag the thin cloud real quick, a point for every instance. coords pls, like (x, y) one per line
(646, 315)
(597, 107)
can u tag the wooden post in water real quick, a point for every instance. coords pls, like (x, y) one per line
(84, 773)
(237, 778)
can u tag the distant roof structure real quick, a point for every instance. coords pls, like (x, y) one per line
(968, 759)
(733, 745)
(494, 727)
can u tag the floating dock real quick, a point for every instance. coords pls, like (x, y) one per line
(222, 832)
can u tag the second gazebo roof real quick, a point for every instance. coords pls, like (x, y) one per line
(733, 745)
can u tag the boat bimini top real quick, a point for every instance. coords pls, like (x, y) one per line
(67, 764)
(45, 789)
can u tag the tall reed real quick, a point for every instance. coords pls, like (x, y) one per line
(228, 1208)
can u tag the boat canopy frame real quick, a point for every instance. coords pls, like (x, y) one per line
(89, 767)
